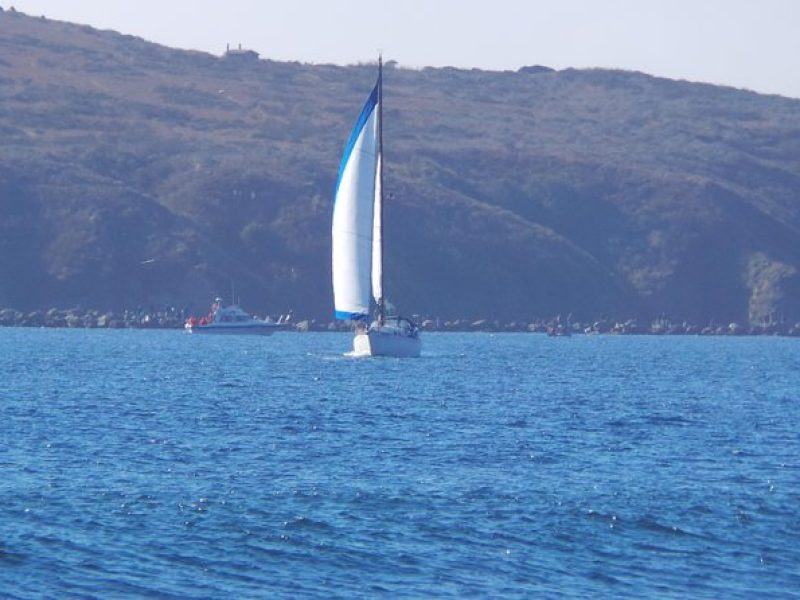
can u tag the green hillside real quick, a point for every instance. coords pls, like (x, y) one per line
(136, 175)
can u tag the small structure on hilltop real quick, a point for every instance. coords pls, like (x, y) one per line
(239, 54)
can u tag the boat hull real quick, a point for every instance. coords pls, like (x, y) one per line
(231, 330)
(382, 343)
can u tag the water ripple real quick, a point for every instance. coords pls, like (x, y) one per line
(496, 466)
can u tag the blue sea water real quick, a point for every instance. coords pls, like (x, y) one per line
(157, 464)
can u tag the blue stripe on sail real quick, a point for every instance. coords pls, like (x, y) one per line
(369, 106)
(350, 316)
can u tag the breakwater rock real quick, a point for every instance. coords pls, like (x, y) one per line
(173, 318)
(80, 318)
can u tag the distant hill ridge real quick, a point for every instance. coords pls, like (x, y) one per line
(132, 174)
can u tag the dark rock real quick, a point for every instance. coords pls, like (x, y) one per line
(34, 319)
(10, 317)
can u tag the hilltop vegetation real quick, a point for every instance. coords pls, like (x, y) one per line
(133, 174)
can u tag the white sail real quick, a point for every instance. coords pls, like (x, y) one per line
(377, 239)
(353, 212)
(358, 240)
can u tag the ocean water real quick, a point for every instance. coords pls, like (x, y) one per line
(157, 464)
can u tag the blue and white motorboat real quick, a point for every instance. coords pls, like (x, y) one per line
(231, 319)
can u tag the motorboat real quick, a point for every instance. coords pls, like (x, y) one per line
(231, 319)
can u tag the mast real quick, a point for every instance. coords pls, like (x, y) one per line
(382, 303)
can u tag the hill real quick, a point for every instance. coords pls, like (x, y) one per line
(133, 174)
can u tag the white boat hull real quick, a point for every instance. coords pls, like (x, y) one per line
(386, 343)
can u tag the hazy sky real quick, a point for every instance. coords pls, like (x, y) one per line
(753, 44)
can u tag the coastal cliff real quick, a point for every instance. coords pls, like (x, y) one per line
(132, 174)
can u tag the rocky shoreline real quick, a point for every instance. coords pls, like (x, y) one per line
(174, 319)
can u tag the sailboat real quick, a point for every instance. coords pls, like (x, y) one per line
(358, 240)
